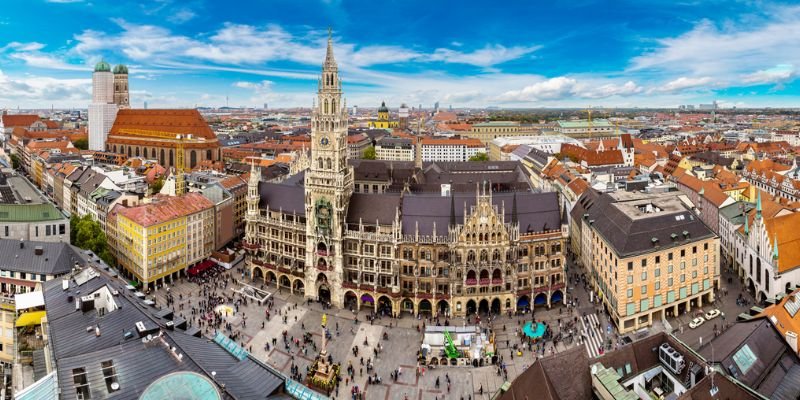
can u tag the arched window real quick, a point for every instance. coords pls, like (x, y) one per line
(319, 163)
(326, 107)
(328, 163)
(333, 106)
(208, 154)
(171, 157)
(162, 157)
(192, 159)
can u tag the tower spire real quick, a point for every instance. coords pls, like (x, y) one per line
(452, 210)
(758, 206)
(775, 248)
(329, 59)
(514, 209)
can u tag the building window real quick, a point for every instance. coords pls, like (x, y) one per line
(81, 383)
(630, 265)
(110, 376)
(630, 279)
(630, 293)
(644, 276)
(644, 289)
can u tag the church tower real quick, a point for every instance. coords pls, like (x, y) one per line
(328, 187)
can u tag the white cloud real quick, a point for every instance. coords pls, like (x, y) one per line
(260, 87)
(628, 88)
(486, 57)
(181, 16)
(684, 83)
(553, 88)
(778, 74)
(43, 90)
(736, 54)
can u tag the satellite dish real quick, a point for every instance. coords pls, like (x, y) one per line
(149, 337)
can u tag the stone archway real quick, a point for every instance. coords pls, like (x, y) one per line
(385, 305)
(270, 277)
(425, 307)
(523, 303)
(284, 281)
(407, 305)
(367, 300)
(483, 307)
(443, 307)
(258, 273)
(556, 297)
(323, 291)
(472, 307)
(540, 300)
(350, 300)
(298, 286)
(496, 306)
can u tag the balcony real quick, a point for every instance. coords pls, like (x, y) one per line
(251, 246)
(325, 253)
(497, 281)
(349, 285)
(471, 282)
(424, 295)
(485, 281)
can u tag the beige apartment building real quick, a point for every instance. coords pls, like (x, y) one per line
(648, 255)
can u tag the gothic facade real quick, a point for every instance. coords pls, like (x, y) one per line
(452, 252)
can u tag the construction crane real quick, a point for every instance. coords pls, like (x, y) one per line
(179, 139)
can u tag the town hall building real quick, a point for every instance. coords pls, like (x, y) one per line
(446, 238)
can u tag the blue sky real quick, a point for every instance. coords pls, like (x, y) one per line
(553, 53)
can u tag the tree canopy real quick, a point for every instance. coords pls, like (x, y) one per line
(86, 234)
(479, 157)
(82, 144)
(369, 153)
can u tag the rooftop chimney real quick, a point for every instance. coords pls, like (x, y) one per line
(38, 250)
(21, 243)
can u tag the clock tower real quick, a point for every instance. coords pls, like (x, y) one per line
(328, 187)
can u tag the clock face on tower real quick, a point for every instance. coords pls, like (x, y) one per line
(324, 141)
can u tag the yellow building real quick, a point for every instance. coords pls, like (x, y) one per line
(155, 242)
(383, 121)
(649, 256)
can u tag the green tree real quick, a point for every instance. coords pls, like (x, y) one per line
(85, 233)
(15, 161)
(156, 186)
(82, 143)
(369, 153)
(479, 157)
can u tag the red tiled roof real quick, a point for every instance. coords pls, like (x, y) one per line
(166, 209)
(176, 121)
(445, 116)
(592, 158)
(25, 120)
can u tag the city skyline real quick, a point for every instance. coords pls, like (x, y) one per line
(591, 53)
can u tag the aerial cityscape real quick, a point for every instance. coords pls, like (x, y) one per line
(370, 200)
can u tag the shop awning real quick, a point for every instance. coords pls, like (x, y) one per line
(30, 318)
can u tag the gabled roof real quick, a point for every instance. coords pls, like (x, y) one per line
(56, 258)
(24, 120)
(185, 121)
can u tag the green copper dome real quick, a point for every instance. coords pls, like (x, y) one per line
(121, 69)
(102, 66)
(383, 108)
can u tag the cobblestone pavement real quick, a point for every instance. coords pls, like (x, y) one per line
(586, 324)
(398, 352)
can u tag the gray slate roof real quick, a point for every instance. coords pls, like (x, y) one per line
(56, 258)
(137, 363)
(536, 211)
(630, 236)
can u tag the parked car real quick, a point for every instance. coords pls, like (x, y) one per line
(696, 322)
(712, 314)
